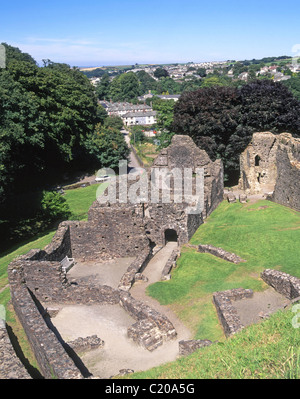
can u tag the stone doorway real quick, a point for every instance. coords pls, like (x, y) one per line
(171, 236)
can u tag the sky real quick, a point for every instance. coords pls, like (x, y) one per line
(120, 32)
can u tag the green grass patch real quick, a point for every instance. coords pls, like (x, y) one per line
(268, 350)
(265, 234)
(80, 200)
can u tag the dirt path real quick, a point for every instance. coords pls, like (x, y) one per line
(133, 162)
(153, 273)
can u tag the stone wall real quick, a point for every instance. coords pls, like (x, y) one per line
(53, 360)
(271, 165)
(152, 328)
(227, 314)
(135, 267)
(258, 169)
(287, 187)
(186, 347)
(59, 247)
(171, 262)
(183, 153)
(10, 365)
(111, 231)
(283, 283)
(220, 253)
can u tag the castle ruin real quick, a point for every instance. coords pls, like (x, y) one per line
(271, 165)
(113, 230)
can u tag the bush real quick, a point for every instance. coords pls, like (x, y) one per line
(54, 207)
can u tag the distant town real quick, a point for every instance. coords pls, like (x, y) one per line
(280, 68)
(169, 81)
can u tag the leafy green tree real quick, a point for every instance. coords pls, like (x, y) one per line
(101, 114)
(165, 113)
(14, 54)
(161, 73)
(168, 85)
(54, 207)
(201, 72)
(293, 85)
(124, 87)
(47, 127)
(115, 122)
(107, 146)
(102, 88)
(146, 82)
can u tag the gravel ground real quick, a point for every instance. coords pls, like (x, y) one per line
(253, 310)
(110, 322)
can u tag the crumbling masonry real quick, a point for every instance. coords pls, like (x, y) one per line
(271, 165)
(112, 231)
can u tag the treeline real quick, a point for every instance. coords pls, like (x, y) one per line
(129, 86)
(51, 128)
(222, 120)
(265, 60)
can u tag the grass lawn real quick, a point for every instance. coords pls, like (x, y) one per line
(265, 234)
(268, 350)
(80, 200)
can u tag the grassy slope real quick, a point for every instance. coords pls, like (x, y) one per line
(268, 350)
(265, 237)
(80, 200)
(265, 234)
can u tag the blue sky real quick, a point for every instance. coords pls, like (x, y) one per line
(112, 32)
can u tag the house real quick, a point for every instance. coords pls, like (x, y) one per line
(174, 97)
(122, 108)
(244, 76)
(139, 118)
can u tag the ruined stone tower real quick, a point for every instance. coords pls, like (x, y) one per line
(271, 165)
(124, 228)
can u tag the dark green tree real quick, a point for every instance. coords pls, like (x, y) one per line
(146, 82)
(124, 87)
(107, 146)
(102, 88)
(222, 120)
(161, 73)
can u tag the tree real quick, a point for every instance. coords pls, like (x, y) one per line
(293, 85)
(47, 124)
(168, 85)
(201, 72)
(102, 88)
(222, 120)
(161, 73)
(124, 87)
(165, 113)
(146, 82)
(114, 122)
(107, 146)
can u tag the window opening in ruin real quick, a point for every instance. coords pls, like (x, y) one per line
(257, 160)
(258, 177)
(171, 235)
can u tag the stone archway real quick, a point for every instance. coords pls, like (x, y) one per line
(170, 235)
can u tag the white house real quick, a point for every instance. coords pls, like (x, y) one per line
(139, 118)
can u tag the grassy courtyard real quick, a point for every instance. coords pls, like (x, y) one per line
(265, 234)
